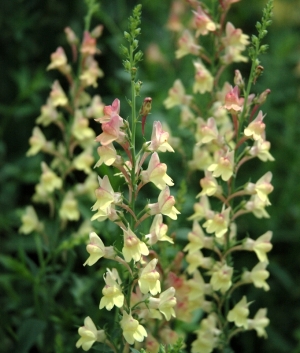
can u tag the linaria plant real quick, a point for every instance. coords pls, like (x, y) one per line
(134, 285)
(66, 186)
(228, 128)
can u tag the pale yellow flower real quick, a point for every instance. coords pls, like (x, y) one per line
(89, 335)
(133, 248)
(239, 313)
(149, 279)
(112, 292)
(132, 330)
(221, 278)
(69, 208)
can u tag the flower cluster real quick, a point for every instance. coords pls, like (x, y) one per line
(135, 287)
(69, 154)
(228, 132)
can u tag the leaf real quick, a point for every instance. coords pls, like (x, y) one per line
(28, 333)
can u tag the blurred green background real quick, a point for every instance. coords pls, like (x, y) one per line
(30, 30)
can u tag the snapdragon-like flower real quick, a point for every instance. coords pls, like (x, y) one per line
(81, 130)
(258, 276)
(37, 142)
(105, 198)
(49, 114)
(233, 102)
(107, 154)
(239, 313)
(165, 205)
(256, 128)
(257, 207)
(112, 131)
(259, 322)
(196, 259)
(109, 111)
(149, 279)
(206, 335)
(95, 109)
(112, 292)
(209, 185)
(221, 278)
(30, 221)
(187, 45)
(197, 288)
(177, 96)
(203, 23)
(132, 330)
(159, 139)
(158, 231)
(97, 250)
(261, 149)
(69, 208)
(84, 161)
(49, 180)
(58, 95)
(223, 166)
(156, 173)
(202, 209)
(262, 187)
(203, 79)
(206, 130)
(219, 223)
(88, 46)
(58, 59)
(261, 246)
(89, 335)
(133, 248)
(235, 37)
(91, 73)
(165, 303)
(196, 239)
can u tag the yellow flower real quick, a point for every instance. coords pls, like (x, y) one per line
(97, 249)
(57, 95)
(196, 259)
(107, 155)
(224, 166)
(177, 96)
(84, 161)
(105, 198)
(218, 224)
(156, 173)
(158, 231)
(112, 293)
(149, 279)
(89, 335)
(239, 313)
(132, 330)
(165, 205)
(37, 142)
(49, 180)
(196, 239)
(69, 208)
(256, 129)
(165, 303)
(30, 221)
(259, 322)
(187, 45)
(133, 248)
(221, 277)
(258, 276)
(203, 79)
(261, 246)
